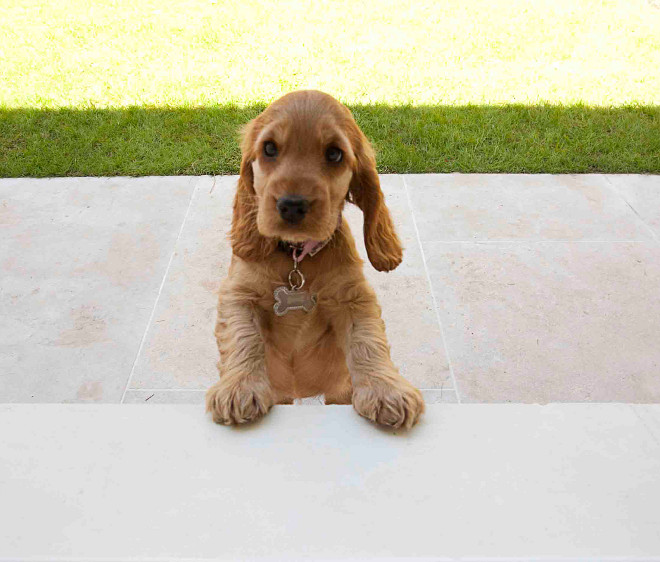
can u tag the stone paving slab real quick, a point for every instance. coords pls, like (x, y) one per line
(176, 396)
(180, 352)
(642, 193)
(405, 296)
(550, 321)
(494, 207)
(513, 287)
(469, 482)
(81, 262)
(547, 287)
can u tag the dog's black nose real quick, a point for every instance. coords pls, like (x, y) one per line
(292, 208)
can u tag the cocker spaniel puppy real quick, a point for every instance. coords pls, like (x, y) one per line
(296, 316)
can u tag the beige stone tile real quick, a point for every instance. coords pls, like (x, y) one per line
(82, 260)
(165, 397)
(179, 350)
(170, 396)
(431, 396)
(310, 401)
(544, 322)
(440, 396)
(466, 207)
(642, 193)
(411, 322)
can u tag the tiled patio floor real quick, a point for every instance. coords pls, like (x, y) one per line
(514, 288)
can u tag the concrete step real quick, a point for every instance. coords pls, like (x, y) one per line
(471, 482)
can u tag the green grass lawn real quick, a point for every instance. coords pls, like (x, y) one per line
(152, 87)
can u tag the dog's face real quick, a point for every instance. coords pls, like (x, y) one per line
(302, 168)
(301, 159)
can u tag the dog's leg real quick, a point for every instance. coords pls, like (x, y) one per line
(243, 392)
(339, 395)
(380, 393)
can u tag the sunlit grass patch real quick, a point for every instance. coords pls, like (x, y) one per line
(482, 85)
(160, 141)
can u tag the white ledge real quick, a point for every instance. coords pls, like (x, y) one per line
(471, 482)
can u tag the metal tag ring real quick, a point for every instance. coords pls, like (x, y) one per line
(301, 280)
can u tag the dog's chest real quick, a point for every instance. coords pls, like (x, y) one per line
(303, 355)
(298, 322)
(299, 330)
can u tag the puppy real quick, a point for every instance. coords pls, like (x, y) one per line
(296, 316)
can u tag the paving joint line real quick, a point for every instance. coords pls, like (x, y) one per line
(204, 390)
(197, 180)
(617, 192)
(430, 284)
(536, 241)
(166, 390)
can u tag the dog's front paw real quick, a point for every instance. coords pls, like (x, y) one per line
(234, 401)
(395, 403)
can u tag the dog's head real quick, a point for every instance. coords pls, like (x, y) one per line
(301, 159)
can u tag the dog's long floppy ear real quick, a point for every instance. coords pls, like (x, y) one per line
(246, 241)
(380, 238)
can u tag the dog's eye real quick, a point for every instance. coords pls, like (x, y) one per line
(334, 154)
(270, 149)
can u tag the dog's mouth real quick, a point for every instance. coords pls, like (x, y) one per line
(298, 234)
(295, 234)
(309, 228)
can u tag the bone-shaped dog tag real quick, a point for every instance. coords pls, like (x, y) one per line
(292, 299)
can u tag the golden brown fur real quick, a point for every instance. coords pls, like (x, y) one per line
(339, 349)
